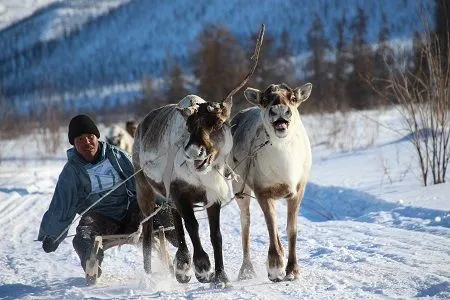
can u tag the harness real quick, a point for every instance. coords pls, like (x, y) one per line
(167, 177)
(252, 155)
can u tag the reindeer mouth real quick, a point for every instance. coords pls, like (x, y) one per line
(280, 125)
(201, 165)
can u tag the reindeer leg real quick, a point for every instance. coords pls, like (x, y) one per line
(182, 262)
(293, 204)
(247, 271)
(220, 277)
(145, 198)
(147, 230)
(202, 264)
(275, 260)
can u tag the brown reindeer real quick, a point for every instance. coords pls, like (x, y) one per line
(272, 155)
(182, 149)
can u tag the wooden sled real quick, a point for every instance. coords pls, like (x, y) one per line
(108, 241)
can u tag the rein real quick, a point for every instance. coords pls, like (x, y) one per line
(167, 178)
(233, 176)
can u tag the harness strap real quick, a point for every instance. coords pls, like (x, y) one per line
(168, 170)
(252, 155)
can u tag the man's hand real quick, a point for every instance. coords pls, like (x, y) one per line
(49, 244)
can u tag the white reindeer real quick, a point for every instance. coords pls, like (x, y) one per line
(272, 155)
(119, 137)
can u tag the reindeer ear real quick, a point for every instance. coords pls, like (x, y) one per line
(303, 92)
(186, 112)
(253, 96)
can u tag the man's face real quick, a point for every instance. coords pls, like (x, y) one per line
(87, 145)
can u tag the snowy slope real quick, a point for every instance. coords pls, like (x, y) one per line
(11, 10)
(134, 40)
(367, 230)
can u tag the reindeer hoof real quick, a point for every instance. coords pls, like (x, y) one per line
(183, 278)
(205, 276)
(246, 271)
(202, 265)
(292, 273)
(182, 266)
(221, 280)
(291, 277)
(276, 275)
(182, 274)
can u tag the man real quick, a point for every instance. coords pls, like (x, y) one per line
(131, 126)
(92, 170)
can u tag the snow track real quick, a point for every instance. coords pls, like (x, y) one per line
(356, 241)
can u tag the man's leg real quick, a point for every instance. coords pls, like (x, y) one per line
(91, 225)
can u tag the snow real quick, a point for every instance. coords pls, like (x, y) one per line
(368, 229)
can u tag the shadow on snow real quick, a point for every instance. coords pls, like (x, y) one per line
(324, 203)
(58, 290)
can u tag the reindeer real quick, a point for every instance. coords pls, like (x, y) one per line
(182, 150)
(120, 137)
(272, 155)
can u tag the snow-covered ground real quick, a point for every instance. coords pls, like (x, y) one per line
(367, 230)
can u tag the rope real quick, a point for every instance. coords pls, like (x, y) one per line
(135, 236)
(93, 204)
(234, 176)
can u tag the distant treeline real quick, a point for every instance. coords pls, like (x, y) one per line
(340, 72)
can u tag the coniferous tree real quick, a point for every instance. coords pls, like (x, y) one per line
(341, 67)
(359, 91)
(442, 16)
(176, 89)
(384, 56)
(319, 46)
(218, 63)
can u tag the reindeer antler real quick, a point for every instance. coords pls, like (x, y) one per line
(254, 58)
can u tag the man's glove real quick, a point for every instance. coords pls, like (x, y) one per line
(49, 244)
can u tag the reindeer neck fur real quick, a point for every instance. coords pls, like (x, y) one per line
(161, 131)
(285, 161)
(164, 131)
(213, 182)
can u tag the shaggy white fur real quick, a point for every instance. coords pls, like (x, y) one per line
(119, 137)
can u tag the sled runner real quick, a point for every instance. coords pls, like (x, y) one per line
(108, 241)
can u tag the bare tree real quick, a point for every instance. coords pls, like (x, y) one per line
(424, 97)
(49, 119)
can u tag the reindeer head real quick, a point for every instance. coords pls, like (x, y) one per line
(114, 136)
(207, 125)
(209, 133)
(279, 105)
